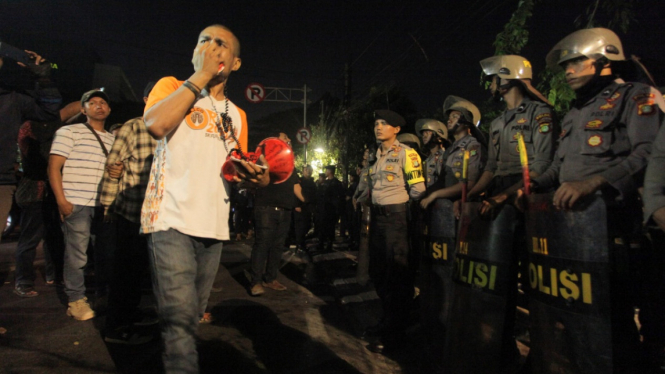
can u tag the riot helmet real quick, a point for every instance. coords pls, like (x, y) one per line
(602, 45)
(516, 69)
(507, 67)
(593, 43)
(470, 115)
(437, 127)
(409, 139)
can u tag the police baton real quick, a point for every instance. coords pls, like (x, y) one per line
(465, 180)
(524, 160)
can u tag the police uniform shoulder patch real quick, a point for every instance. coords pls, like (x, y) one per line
(543, 115)
(644, 97)
(645, 103)
(609, 105)
(595, 140)
(544, 128)
(645, 109)
(595, 124)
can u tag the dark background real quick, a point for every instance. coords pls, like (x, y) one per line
(431, 48)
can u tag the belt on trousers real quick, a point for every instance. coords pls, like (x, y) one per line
(387, 209)
(268, 207)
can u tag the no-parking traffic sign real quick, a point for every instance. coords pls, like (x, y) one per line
(255, 93)
(303, 136)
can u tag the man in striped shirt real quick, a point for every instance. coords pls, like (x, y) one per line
(76, 166)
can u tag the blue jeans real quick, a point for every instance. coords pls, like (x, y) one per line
(183, 269)
(271, 227)
(79, 228)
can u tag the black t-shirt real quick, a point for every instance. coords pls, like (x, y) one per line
(279, 195)
(308, 190)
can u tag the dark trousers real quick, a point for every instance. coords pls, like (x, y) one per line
(242, 215)
(271, 226)
(130, 263)
(652, 289)
(354, 222)
(389, 266)
(36, 219)
(104, 255)
(303, 222)
(329, 220)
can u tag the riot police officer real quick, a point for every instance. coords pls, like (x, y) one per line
(445, 178)
(653, 309)
(411, 140)
(604, 144)
(462, 119)
(435, 137)
(395, 177)
(527, 112)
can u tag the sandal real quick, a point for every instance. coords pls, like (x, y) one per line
(56, 283)
(207, 318)
(24, 290)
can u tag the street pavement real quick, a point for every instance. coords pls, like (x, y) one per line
(315, 326)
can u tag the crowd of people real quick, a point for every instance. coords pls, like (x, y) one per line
(430, 206)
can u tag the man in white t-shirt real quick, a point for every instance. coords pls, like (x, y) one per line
(75, 170)
(186, 207)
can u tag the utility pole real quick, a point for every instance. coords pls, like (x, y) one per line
(304, 117)
(286, 95)
(346, 104)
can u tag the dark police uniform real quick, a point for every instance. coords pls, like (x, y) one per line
(395, 176)
(434, 166)
(534, 120)
(454, 160)
(439, 263)
(652, 311)
(611, 135)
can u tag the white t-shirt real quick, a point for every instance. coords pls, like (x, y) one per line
(84, 167)
(186, 191)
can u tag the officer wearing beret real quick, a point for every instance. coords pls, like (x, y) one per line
(605, 142)
(395, 177)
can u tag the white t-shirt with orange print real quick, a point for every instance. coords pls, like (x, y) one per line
(186, 191)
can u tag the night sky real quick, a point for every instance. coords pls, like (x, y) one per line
(429, 47)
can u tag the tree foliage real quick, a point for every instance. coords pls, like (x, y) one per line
(612, 14)
(515, 33)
